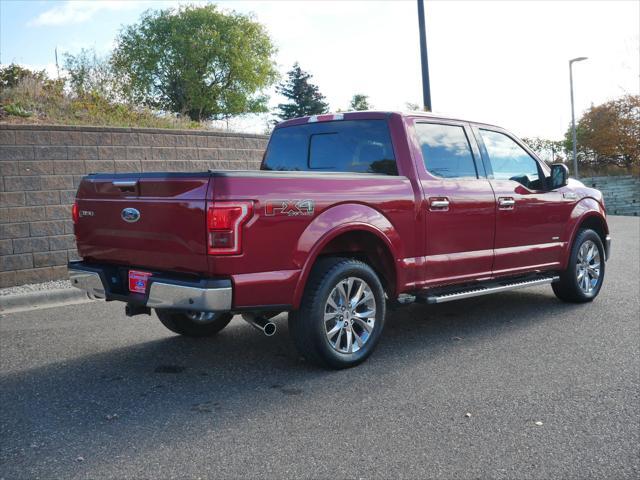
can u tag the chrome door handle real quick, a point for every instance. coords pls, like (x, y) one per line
(506, 202)
(438, 204)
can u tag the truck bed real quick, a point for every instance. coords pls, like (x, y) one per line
(171, 233)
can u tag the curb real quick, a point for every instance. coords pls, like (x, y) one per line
(42, 299)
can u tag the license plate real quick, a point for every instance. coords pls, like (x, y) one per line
(138, 281)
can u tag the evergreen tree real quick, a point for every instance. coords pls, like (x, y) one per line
(304, 97)
(360, 102)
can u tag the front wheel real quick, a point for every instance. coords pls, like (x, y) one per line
(582, 280)
(342, 314)
(194, 324)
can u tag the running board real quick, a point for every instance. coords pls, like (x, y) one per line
(493, 287)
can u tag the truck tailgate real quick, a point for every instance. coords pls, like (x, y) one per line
(150, 221)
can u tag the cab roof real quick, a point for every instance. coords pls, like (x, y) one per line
(371, 115)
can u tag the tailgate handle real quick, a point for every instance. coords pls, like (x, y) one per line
(124, 183)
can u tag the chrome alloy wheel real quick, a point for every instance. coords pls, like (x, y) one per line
(201, 317)
(349, 315)
(588, 266)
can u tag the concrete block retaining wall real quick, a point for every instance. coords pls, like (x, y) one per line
(621, 193)
(41, 167)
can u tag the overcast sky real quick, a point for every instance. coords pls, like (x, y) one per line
(499, 62)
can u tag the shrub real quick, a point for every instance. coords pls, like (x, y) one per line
(31, 97)
(17, 110)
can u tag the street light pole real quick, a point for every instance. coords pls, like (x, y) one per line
(573, 115)
(426, 89)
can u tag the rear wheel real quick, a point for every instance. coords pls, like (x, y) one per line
(582, 280)
(194, 324)
(342, 314)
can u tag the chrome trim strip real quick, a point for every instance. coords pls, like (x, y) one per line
(607, 247)
(90, 282)
(449, 297)
(165, 295)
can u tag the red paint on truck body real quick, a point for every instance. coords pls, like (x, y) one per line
(472, 239)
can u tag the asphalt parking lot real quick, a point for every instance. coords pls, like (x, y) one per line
(552, 389)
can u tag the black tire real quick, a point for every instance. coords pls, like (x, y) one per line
(307, 325)
(184, 324)
(568, 288)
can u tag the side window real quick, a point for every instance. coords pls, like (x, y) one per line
(446, 150)
(509, 161)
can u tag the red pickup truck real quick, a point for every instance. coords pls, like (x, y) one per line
(349, 212)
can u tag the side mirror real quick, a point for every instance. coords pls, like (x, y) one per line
(559, 176)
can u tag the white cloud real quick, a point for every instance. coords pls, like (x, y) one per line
(77, 11)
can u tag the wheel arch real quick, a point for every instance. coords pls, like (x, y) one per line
(588, 213)
(350, 230)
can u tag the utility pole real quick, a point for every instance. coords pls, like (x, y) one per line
(426, 88)
(573, 116)
(57, 67)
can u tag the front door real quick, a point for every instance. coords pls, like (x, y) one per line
(530, 220)
(458, 203)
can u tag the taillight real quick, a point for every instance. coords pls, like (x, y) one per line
(75, 212)
(224, 226)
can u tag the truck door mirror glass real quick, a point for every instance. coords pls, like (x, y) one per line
(559, 176)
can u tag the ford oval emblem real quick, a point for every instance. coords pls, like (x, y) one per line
(130, 215)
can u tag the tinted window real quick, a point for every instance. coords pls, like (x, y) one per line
(445, 150)
(509, 161)
(287, 150)
(362, 146)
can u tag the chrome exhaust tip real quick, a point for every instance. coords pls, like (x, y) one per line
(261, 323)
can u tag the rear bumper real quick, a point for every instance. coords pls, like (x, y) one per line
(163, 291)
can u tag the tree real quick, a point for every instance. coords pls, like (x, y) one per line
(548, 150)
(196, 61)
(304, 97)
(608, 134)
(90, 74)
(360, 102)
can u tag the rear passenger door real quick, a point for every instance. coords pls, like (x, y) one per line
(530, 219)
(458, 203)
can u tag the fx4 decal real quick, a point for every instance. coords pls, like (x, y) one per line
(290, 208)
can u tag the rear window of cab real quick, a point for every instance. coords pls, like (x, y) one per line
(360, 146)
